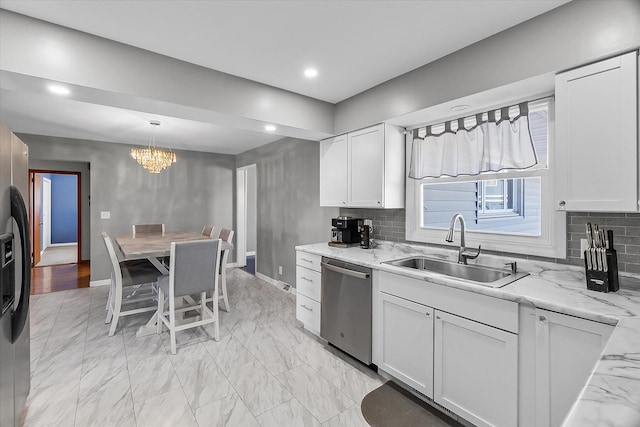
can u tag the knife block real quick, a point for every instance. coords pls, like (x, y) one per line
(603, 281)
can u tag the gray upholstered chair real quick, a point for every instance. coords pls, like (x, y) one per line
(148, 229)
(207, 230)
(194, 270)
(127, 280)
(225, 236)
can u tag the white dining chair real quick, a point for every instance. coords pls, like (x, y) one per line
(127, 286)
(193, 270)
(148, 229)
(208, 230)
(226, 236)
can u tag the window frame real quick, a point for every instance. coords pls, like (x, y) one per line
(552, 240)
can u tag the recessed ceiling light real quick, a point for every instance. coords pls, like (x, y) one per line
(59, 90)
(269, 128)
(310, 72)
(460, 107)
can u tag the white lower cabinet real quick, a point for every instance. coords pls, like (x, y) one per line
(446, 350)
(407, 342)
(308, 290)
(476, 371)
(567, 349)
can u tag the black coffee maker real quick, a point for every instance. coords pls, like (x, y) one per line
(345, 231)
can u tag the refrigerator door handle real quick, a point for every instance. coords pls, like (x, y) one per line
(19, 213)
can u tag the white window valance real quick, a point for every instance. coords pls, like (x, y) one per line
(490, 145)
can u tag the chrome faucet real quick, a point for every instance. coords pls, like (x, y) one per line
(463, 253)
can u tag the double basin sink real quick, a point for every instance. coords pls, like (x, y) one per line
(481, 275)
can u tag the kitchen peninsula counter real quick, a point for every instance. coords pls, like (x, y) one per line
(612, 394)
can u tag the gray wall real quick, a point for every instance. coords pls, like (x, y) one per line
(197, 190)
(85, 187)
(570, 35)
(288, 201)
(252, 210)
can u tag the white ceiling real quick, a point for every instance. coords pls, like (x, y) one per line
(355, 45)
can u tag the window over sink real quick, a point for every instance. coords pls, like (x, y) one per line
(509, 210)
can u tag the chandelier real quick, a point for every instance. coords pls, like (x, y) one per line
(151, 158)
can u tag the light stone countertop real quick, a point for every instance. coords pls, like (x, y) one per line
(612, 395)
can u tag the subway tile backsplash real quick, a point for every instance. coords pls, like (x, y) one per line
(389, 224)
(626, 236)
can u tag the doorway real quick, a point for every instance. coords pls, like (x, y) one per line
(56, 217)
(247, 209)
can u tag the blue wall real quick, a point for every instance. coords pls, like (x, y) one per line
(64, 208)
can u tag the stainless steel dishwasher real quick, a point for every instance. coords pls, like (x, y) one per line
(346, 308)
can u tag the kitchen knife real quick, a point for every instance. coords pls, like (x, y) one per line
(594, 252)
(596, 238)
(587, 252)
(603, 250)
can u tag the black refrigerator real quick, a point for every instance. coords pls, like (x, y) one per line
(15, 279)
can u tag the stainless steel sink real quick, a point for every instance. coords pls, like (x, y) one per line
(481, 275)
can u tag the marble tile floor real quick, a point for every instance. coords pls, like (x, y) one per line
(265, 370)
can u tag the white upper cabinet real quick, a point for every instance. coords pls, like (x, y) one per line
(363, 168)
(596, 136)
(333, 171)
(366, 167)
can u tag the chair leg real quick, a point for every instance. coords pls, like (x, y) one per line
(114, 321)
(216, 315)
(160, 315)
(116, 311)
(172, 324)
(109, 315)
(108, 306)
(223, 277)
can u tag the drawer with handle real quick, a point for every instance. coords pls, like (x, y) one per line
(308, 312)
(308, 283)
(308, 260)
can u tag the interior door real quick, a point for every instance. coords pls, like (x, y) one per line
(46, 213)
(36, 214)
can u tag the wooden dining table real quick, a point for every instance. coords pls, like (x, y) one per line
(154, 246)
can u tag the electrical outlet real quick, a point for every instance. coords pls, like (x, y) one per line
(105, 215)
(280, 270)
(583, 247)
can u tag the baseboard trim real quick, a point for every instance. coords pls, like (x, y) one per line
(267, 279)
(283, 286)
(57, 245)
(94, 283)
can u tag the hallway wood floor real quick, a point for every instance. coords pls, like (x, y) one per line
(56, 278)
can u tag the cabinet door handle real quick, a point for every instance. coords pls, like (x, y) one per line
(438, 317)
(306, 260)
(307, 279)
(304, 306)
(562, 204)
(428, 314)
(542, 319)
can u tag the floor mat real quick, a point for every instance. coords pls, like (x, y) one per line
(391, 406)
